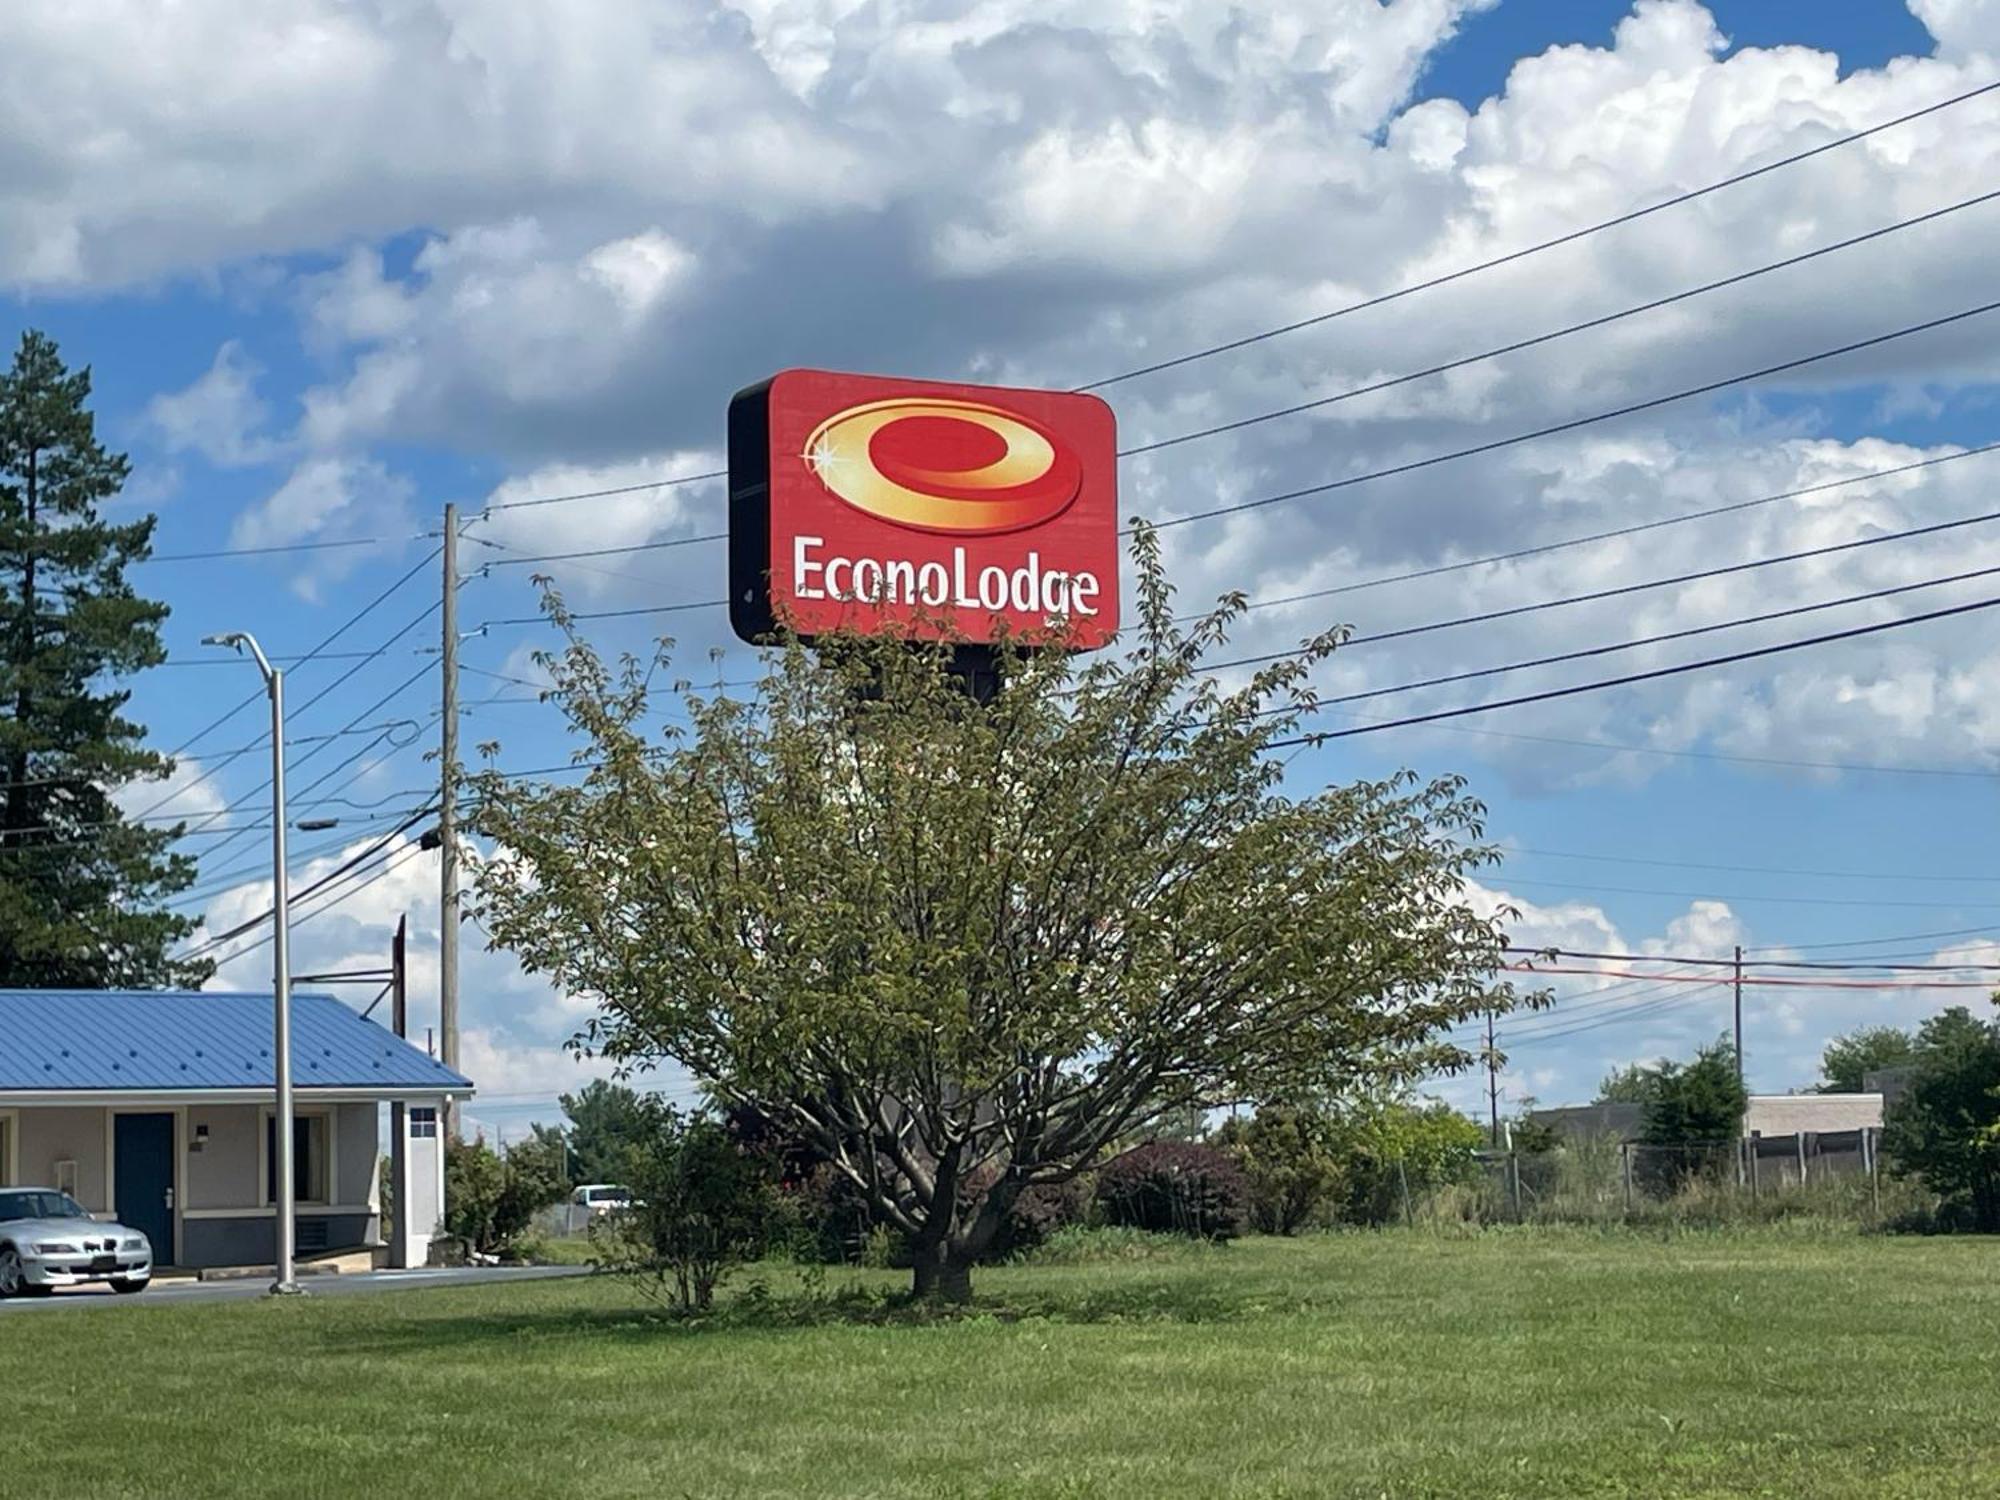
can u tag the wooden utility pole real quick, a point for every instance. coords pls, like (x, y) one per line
(448, 819)
(1739, 1017)
(1492, 1081)
(399, 1115)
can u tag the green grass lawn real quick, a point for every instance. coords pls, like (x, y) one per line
(1508, 1364)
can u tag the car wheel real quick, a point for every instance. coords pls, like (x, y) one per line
(12, 1278)
(128, 1288)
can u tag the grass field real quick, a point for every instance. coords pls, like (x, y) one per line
(1541, 1363)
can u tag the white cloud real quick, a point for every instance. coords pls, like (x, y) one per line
(219, 415)
(330, 499)
(189, 791)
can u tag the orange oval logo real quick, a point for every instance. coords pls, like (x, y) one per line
(942, 465)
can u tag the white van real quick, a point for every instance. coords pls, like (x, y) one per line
(599, 1198)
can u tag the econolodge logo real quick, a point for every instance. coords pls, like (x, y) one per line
(951, 466)
(866, 503)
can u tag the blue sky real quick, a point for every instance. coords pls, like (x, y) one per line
(461, 253)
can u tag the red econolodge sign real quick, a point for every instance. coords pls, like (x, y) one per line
(864, 503)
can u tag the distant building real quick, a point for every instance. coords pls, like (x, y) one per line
(1768, 1115)
(1817, 1114)
(1578, 1122)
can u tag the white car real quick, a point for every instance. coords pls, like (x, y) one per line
(47, 1240)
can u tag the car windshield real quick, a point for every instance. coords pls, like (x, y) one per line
(38, 1204)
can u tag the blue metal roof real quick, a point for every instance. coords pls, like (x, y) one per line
(156, 1040)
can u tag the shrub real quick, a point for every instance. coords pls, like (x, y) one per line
(1175, 1187)
(1945, 1129)
(1079, 1245)
(1393, 1147)
(1294, 1173)
(490, 1200)
(702, 1205)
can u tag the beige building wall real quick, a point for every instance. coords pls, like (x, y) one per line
(1791, 1114)
(49, 1136)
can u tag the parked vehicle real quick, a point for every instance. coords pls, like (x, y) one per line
(48, 1239)
(600, 1198)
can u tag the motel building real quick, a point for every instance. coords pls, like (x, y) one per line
(156, 1108)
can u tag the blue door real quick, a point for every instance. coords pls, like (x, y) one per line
(142, 1167)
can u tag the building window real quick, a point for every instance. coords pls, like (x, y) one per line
(423, 1124)
(309, 1159)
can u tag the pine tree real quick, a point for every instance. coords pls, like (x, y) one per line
(82, 886)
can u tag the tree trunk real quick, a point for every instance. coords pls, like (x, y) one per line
(18, 791)
(939, 1275)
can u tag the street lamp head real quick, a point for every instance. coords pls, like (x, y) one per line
(241, 641)
(316, 825)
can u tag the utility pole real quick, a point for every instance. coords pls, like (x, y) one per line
(448, 819)
(1739, 1017)
(399, 1112)
(1493, 1080)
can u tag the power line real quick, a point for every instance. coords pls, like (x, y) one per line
(360, 881)
(1638, 642)
(1549, 244)
(606, 614)
(1602, 684)
(327, 546)
(1515, 347)
(1574, 423)
(1877, 942)
(1621, 590)
(1731, 963)
(1680, 864)
(348, 624)
(1624, 748)
(321, 780)
(623, 489)
(1633, 890)
(1616, 532)
(1770, 982)
(208, 945)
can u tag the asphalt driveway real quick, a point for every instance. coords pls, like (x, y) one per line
(360, 1284)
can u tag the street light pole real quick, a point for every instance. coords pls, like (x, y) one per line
(286, 1284)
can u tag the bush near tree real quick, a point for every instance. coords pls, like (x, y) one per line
(1944, 1129)
(1175, 1187)
(1848, 1060)
(702, 1205)
(1694, 1116)
(1294, 1171)
(953, 942)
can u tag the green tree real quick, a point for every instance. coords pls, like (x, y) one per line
(82, 886)
(606, 1120)
(1635, 1083)
(1945, 1127)
(1695, 1113)
(1849, 1059)
(957, 943)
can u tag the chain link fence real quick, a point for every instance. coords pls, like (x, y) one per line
(1833, 1174)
